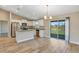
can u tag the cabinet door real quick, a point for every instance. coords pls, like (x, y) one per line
(42, 34)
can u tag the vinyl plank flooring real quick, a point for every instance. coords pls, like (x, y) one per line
(38, 45)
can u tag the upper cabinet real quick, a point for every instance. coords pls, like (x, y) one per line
(39, 22)
(4, 15)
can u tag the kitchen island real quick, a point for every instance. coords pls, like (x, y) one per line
(24, 35)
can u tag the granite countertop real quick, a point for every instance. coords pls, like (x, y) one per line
(31, 28)
(24, 30)
(40, 28)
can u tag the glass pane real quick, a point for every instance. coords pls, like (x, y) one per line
(61, 29)
(53, 29)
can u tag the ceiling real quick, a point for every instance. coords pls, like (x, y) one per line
(38, 11)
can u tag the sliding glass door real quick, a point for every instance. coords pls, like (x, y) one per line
(53, 29)
(61, 29)
(57, 29)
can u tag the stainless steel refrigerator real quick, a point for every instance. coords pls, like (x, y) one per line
(13, 29)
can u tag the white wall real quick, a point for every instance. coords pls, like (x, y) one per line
(74, 27)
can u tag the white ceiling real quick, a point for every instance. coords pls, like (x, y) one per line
(38, 11)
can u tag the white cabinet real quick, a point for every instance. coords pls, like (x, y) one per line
(40, 22)
(42, 33)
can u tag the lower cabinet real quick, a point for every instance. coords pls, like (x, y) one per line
(41, 33)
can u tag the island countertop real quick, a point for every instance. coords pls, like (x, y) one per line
(24, 30)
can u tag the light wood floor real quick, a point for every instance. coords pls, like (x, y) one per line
(38, 45)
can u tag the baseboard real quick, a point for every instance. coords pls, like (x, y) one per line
(77, 43)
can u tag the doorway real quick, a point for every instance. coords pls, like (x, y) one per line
(59, 29)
